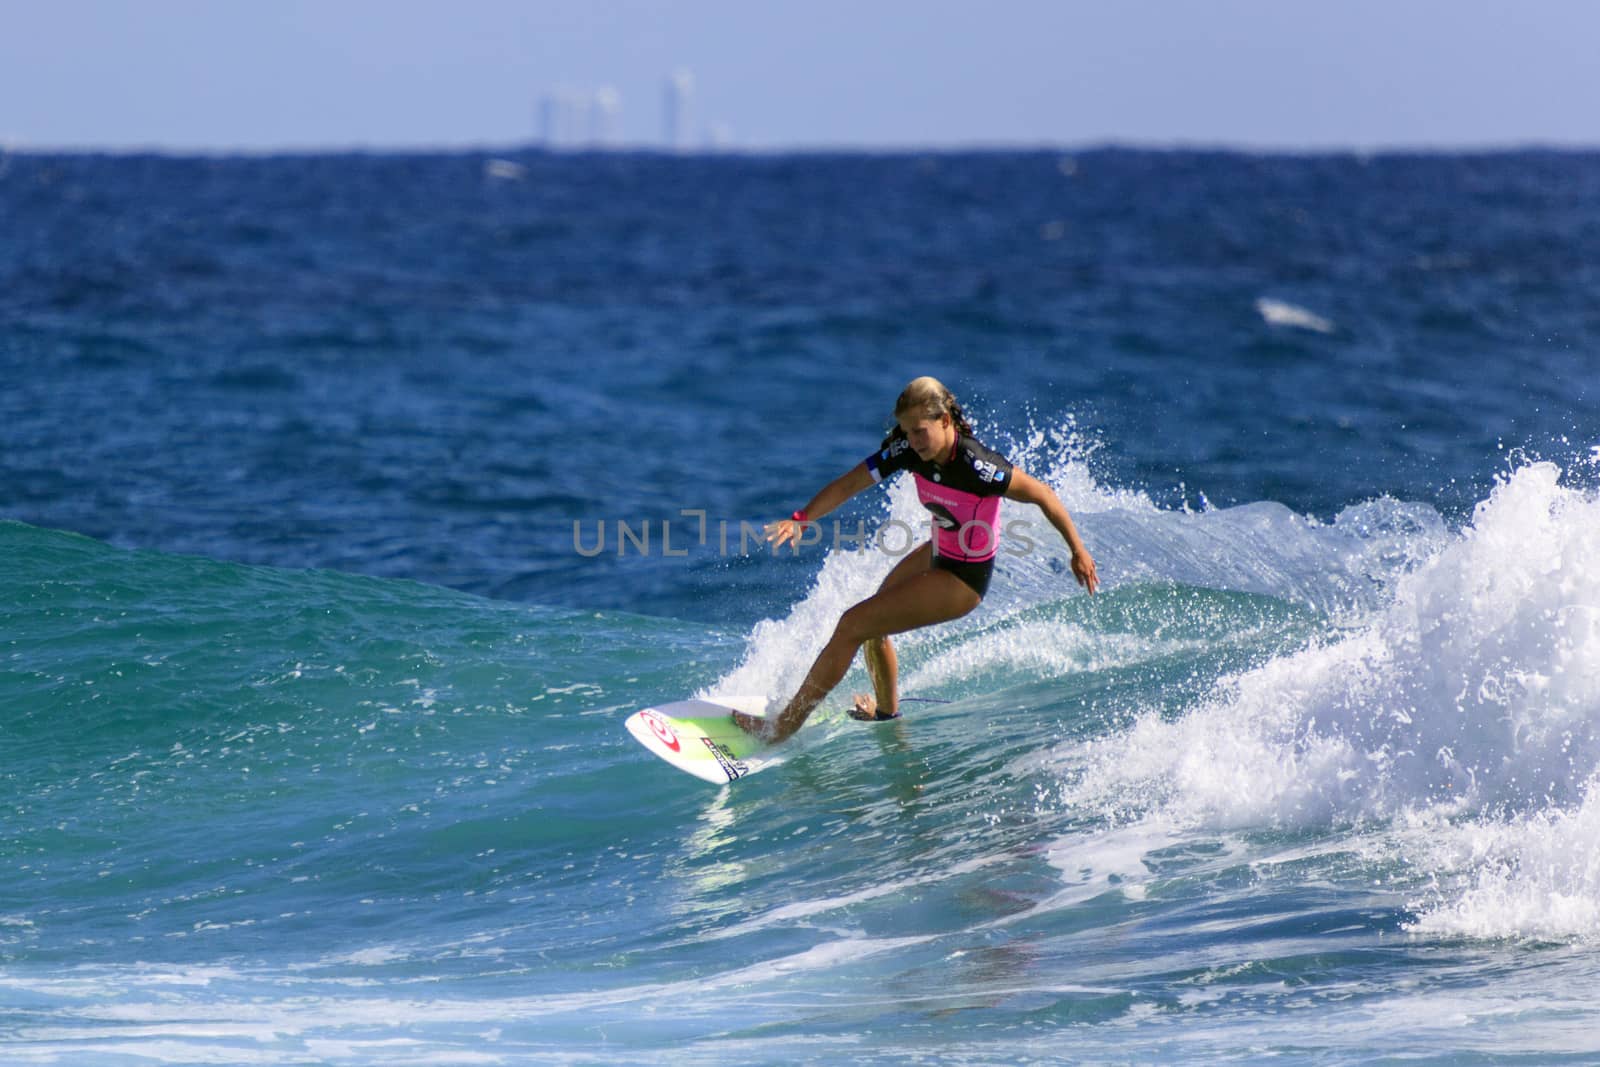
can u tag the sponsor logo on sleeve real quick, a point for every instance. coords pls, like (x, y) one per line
(989, 472)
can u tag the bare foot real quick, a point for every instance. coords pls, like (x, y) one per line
(754, 725)
(866, 709)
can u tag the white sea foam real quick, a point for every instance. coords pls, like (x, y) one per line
(1534, 876)
(1038, 650)
(1473, 698)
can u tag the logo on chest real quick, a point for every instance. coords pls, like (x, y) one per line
(942, 516)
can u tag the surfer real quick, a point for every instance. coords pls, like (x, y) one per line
(960, 482)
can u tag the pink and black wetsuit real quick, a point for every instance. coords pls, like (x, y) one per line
(962, 493)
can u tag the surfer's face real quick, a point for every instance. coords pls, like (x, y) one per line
(930, 439)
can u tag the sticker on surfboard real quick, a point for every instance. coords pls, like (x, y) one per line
(699, 737)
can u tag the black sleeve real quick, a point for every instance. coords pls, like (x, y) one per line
(892, 460)
(991, 472)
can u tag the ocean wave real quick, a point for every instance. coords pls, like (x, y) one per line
(1472, 699)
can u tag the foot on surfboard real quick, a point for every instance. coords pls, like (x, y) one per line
(866, 710)
(754, 725)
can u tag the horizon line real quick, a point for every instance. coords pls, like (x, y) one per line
(806, 148)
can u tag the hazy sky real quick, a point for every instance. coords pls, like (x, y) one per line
(221, 74)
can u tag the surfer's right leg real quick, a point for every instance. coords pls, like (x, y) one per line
(883, 666)
(883, 703)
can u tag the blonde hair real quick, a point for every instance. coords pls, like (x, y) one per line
(927, 398)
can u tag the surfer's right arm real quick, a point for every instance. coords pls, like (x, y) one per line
(829, 497)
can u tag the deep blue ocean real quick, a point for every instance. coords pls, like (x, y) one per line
(350, 503)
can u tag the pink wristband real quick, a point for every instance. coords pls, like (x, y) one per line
(799, 516)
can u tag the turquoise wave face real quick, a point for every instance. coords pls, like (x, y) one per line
(236, 756)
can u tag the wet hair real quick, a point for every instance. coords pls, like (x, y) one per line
(927, 398)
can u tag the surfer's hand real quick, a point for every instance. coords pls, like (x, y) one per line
(782, 532)
(1083, 570)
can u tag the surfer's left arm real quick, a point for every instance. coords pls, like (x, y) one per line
(1030, 490)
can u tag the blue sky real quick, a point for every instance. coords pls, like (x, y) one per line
(221, 75)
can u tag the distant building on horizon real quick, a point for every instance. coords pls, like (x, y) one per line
(605, 118)
(577, 118)
(677, 128)
(587, 119)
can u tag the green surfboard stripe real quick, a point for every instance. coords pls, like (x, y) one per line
(724, 732)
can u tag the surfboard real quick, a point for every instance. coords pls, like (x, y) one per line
(698, 737)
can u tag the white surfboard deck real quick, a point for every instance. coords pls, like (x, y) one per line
(699, 737)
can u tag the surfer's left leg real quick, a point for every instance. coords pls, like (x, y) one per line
(930, 597)
(883, 703)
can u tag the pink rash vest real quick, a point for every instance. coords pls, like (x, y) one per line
(962, 494)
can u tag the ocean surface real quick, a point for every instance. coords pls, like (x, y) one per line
(349, 504)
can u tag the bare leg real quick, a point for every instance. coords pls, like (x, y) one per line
(882, 664)
(884, 667)
(922, 600)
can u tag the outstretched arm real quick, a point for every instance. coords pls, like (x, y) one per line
(1031, 490)
(829, 497)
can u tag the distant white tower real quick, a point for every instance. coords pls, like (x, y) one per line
(604, 113)
(677, 114)
(549, 117)
(579, 111)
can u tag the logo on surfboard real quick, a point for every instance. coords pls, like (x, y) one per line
(731, 766)
(662, 729)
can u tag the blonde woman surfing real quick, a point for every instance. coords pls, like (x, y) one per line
(960, 481)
